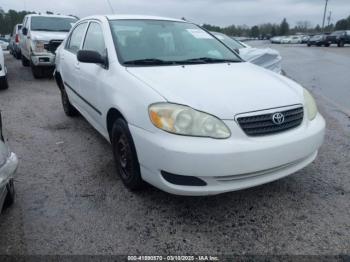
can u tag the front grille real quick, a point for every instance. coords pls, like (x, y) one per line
(53, 45)
(259, 125)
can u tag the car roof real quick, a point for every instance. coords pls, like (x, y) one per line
(133, 17)
(48, 15)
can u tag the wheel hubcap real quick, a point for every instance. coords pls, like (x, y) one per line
(123, 152)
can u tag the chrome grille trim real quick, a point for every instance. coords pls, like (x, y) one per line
(259, 125)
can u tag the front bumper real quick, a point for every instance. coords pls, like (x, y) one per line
(226, 165)
(8, 170)
(45, 59)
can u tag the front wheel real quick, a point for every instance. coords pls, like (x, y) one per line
(38, 72)
(10, 197)
(25, 61)
(125, 156)
(341, 44)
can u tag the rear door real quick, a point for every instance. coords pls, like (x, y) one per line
(69, 65)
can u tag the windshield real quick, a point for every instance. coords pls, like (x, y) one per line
(231, 43)
(155, 42)
(57, 24)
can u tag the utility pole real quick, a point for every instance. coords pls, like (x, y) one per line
(110, 6)
(324, 14)
(329, 18)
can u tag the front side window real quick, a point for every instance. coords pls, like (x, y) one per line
(76, 38)
(56, 24)
(148, 42)
(94, 39)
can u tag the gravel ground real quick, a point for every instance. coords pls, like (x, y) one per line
(70, 200)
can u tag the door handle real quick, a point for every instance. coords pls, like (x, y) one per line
(77, 65)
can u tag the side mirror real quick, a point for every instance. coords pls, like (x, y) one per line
(91, 57)
(236, 50)
(24, 31)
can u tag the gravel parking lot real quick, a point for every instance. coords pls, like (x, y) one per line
(70, 200)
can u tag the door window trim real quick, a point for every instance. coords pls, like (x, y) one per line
(70, 36)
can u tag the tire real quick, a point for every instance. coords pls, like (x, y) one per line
(68, 108)
(18, 55)
(4, 83)
(25, 61)
(308, 45)
(38, 72)
(327, 45)
(11, 195)
(125, 156)
(341, 44)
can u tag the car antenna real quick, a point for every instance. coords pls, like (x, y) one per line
(110, 6)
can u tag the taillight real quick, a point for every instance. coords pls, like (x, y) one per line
(17, 38)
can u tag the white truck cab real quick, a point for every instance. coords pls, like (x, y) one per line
(40, 37)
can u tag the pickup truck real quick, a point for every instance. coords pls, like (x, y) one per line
(39, 39)
(339, 38)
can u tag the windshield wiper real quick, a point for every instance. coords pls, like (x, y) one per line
(148, 61)
(207, 60)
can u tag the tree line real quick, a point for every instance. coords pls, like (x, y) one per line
(9, 19)
(269, 29)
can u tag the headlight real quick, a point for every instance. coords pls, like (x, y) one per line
(310, 105)
(183, 120)
(38, 46)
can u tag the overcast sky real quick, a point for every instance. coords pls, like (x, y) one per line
(218, 12)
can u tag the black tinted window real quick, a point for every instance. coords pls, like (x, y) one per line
(52, 24)
(94, 39)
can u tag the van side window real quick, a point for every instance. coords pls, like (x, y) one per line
(76, 38)
(94, 39)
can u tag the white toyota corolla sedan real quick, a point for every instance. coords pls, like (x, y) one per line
(182, 111)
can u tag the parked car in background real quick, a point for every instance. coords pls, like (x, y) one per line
(285, 40)
(340, 38)
(14, 47)
(4, 44)
(182, 113)
(318, 40)
(276, 39)
(264, 57)
(39, 39)
(8, 166)
(305, 39)
(3, 72)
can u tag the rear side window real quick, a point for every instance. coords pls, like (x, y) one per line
(94, 40)
(76, 38)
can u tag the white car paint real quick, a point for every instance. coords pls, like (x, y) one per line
(264, 57)
(3, 45)
(8, 167)
(3, 70)
(226, 90)
(27, 42)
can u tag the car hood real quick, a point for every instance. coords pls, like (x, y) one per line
(48, 36)
(221, 89)
(267, 57)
